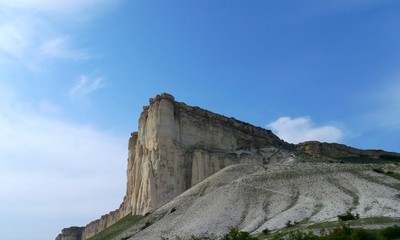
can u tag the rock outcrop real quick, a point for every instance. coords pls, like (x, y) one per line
(177, 146)
(335, 150)
(71, 233)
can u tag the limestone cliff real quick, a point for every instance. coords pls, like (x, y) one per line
(177, 146)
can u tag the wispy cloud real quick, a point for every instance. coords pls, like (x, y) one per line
(70, 8)
(85, 86)
(60, 47)
(295, 130)
(32, 31)
(20, 43)
(15, 39)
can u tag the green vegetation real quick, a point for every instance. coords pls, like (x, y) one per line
(349, 230)
(388, 173)
(291, 224)
(390, 158)
(348, 216)
(354, 223)
(147, 224)
(368, 159)
(117, 228)
(327, 230)
(235, 234)
(344, 232)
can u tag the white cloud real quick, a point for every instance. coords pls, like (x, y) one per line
(22, 43)
(33, 31)
(11, 40)
(60, 47)
(55, 170)
(70, 8)
(85, 86)
(295, 130)
(15, 38)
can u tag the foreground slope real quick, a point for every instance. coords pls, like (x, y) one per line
(255, 197)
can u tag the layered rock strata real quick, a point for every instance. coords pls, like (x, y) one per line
(177, 146)
(335, 150)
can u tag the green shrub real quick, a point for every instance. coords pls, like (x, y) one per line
(289, 224)
(147, 224)
(348, 216)
(389, 158)
(297, 235)
(344, 232)
(391, 232)
(378, 170)
(235, 234)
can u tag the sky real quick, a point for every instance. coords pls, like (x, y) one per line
(74, 76)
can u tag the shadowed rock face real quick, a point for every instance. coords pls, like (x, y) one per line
(178, 146)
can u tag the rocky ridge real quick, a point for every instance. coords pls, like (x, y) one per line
(178, 146)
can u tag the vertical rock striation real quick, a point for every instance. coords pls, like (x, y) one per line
(176, 147)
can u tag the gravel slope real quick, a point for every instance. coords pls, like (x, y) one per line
(255, 197)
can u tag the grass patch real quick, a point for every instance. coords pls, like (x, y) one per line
(117, 228)
(377, 220)
(344, 232)
(393, 174)
(390, 158)
(387, 173)
(354, 229)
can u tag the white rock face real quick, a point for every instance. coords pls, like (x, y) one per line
(178, 146)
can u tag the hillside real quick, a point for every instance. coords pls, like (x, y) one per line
(253, 198)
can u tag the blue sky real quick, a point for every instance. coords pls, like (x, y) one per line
(74, 76)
